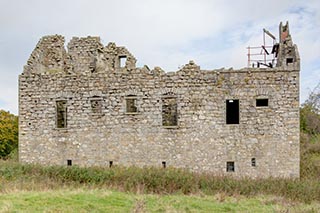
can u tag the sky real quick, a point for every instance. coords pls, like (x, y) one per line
(164, 33)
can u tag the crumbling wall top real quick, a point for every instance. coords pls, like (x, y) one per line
(84, 55)
(288, 55)
(48, 55)
(88, 55)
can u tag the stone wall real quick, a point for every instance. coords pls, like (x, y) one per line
(102, 126)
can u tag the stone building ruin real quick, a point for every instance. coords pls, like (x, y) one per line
(90, 105)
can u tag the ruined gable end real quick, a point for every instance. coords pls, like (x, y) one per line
(288, 51)
(48, 56)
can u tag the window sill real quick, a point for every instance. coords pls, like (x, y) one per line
(170, 127)
(132, 113)
(61, 129)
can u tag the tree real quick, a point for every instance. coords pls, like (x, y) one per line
(8, 133)
(310, 136)
(310, 113)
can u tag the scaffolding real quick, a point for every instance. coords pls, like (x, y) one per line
(266, 54)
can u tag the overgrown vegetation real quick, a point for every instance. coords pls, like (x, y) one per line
(310, 136)
(8, 133)
(151, 180)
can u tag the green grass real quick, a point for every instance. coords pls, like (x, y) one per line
(101, 200)
(66, 201)
(152, 180)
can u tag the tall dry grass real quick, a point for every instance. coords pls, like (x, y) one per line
(14, 176)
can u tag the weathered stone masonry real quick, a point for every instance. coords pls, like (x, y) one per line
(90, 105)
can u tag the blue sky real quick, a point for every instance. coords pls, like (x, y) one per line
(166, 33)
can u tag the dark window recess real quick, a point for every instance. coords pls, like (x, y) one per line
(262, 102)
(230, 166)
(93, 64)
(289, 60)
(110, 163)
(164, 164)
(69, 162)
(61, 114)
(122, 61)
(96, 105)
(131, 104)
(169, 111)
(253, 162)
(232, 111)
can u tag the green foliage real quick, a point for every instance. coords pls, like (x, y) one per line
(310, 113)
(8, 133)
(153, 180)
(14, 155)
(310, 136)
(309, 120)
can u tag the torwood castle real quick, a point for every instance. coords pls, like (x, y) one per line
(90, 105)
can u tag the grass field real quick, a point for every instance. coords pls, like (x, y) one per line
(103, 200)
(35, 188)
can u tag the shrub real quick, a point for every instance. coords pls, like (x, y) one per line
(8, 133)
(156, 180)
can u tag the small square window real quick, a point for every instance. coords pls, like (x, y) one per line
(69, 162)
(289, 61)
(164, 164)
(263, 102)
(96, 105)
(230, 166)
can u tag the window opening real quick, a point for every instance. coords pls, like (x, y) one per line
(169, 111)
(164, 164)
(253, 162)
(131, 104)
(262, 102)
(123, 61)
(110, 164)
(232, 111)
(69, 162)
(96, 105)
(61, 114)
(230, 166)
(289, 60)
